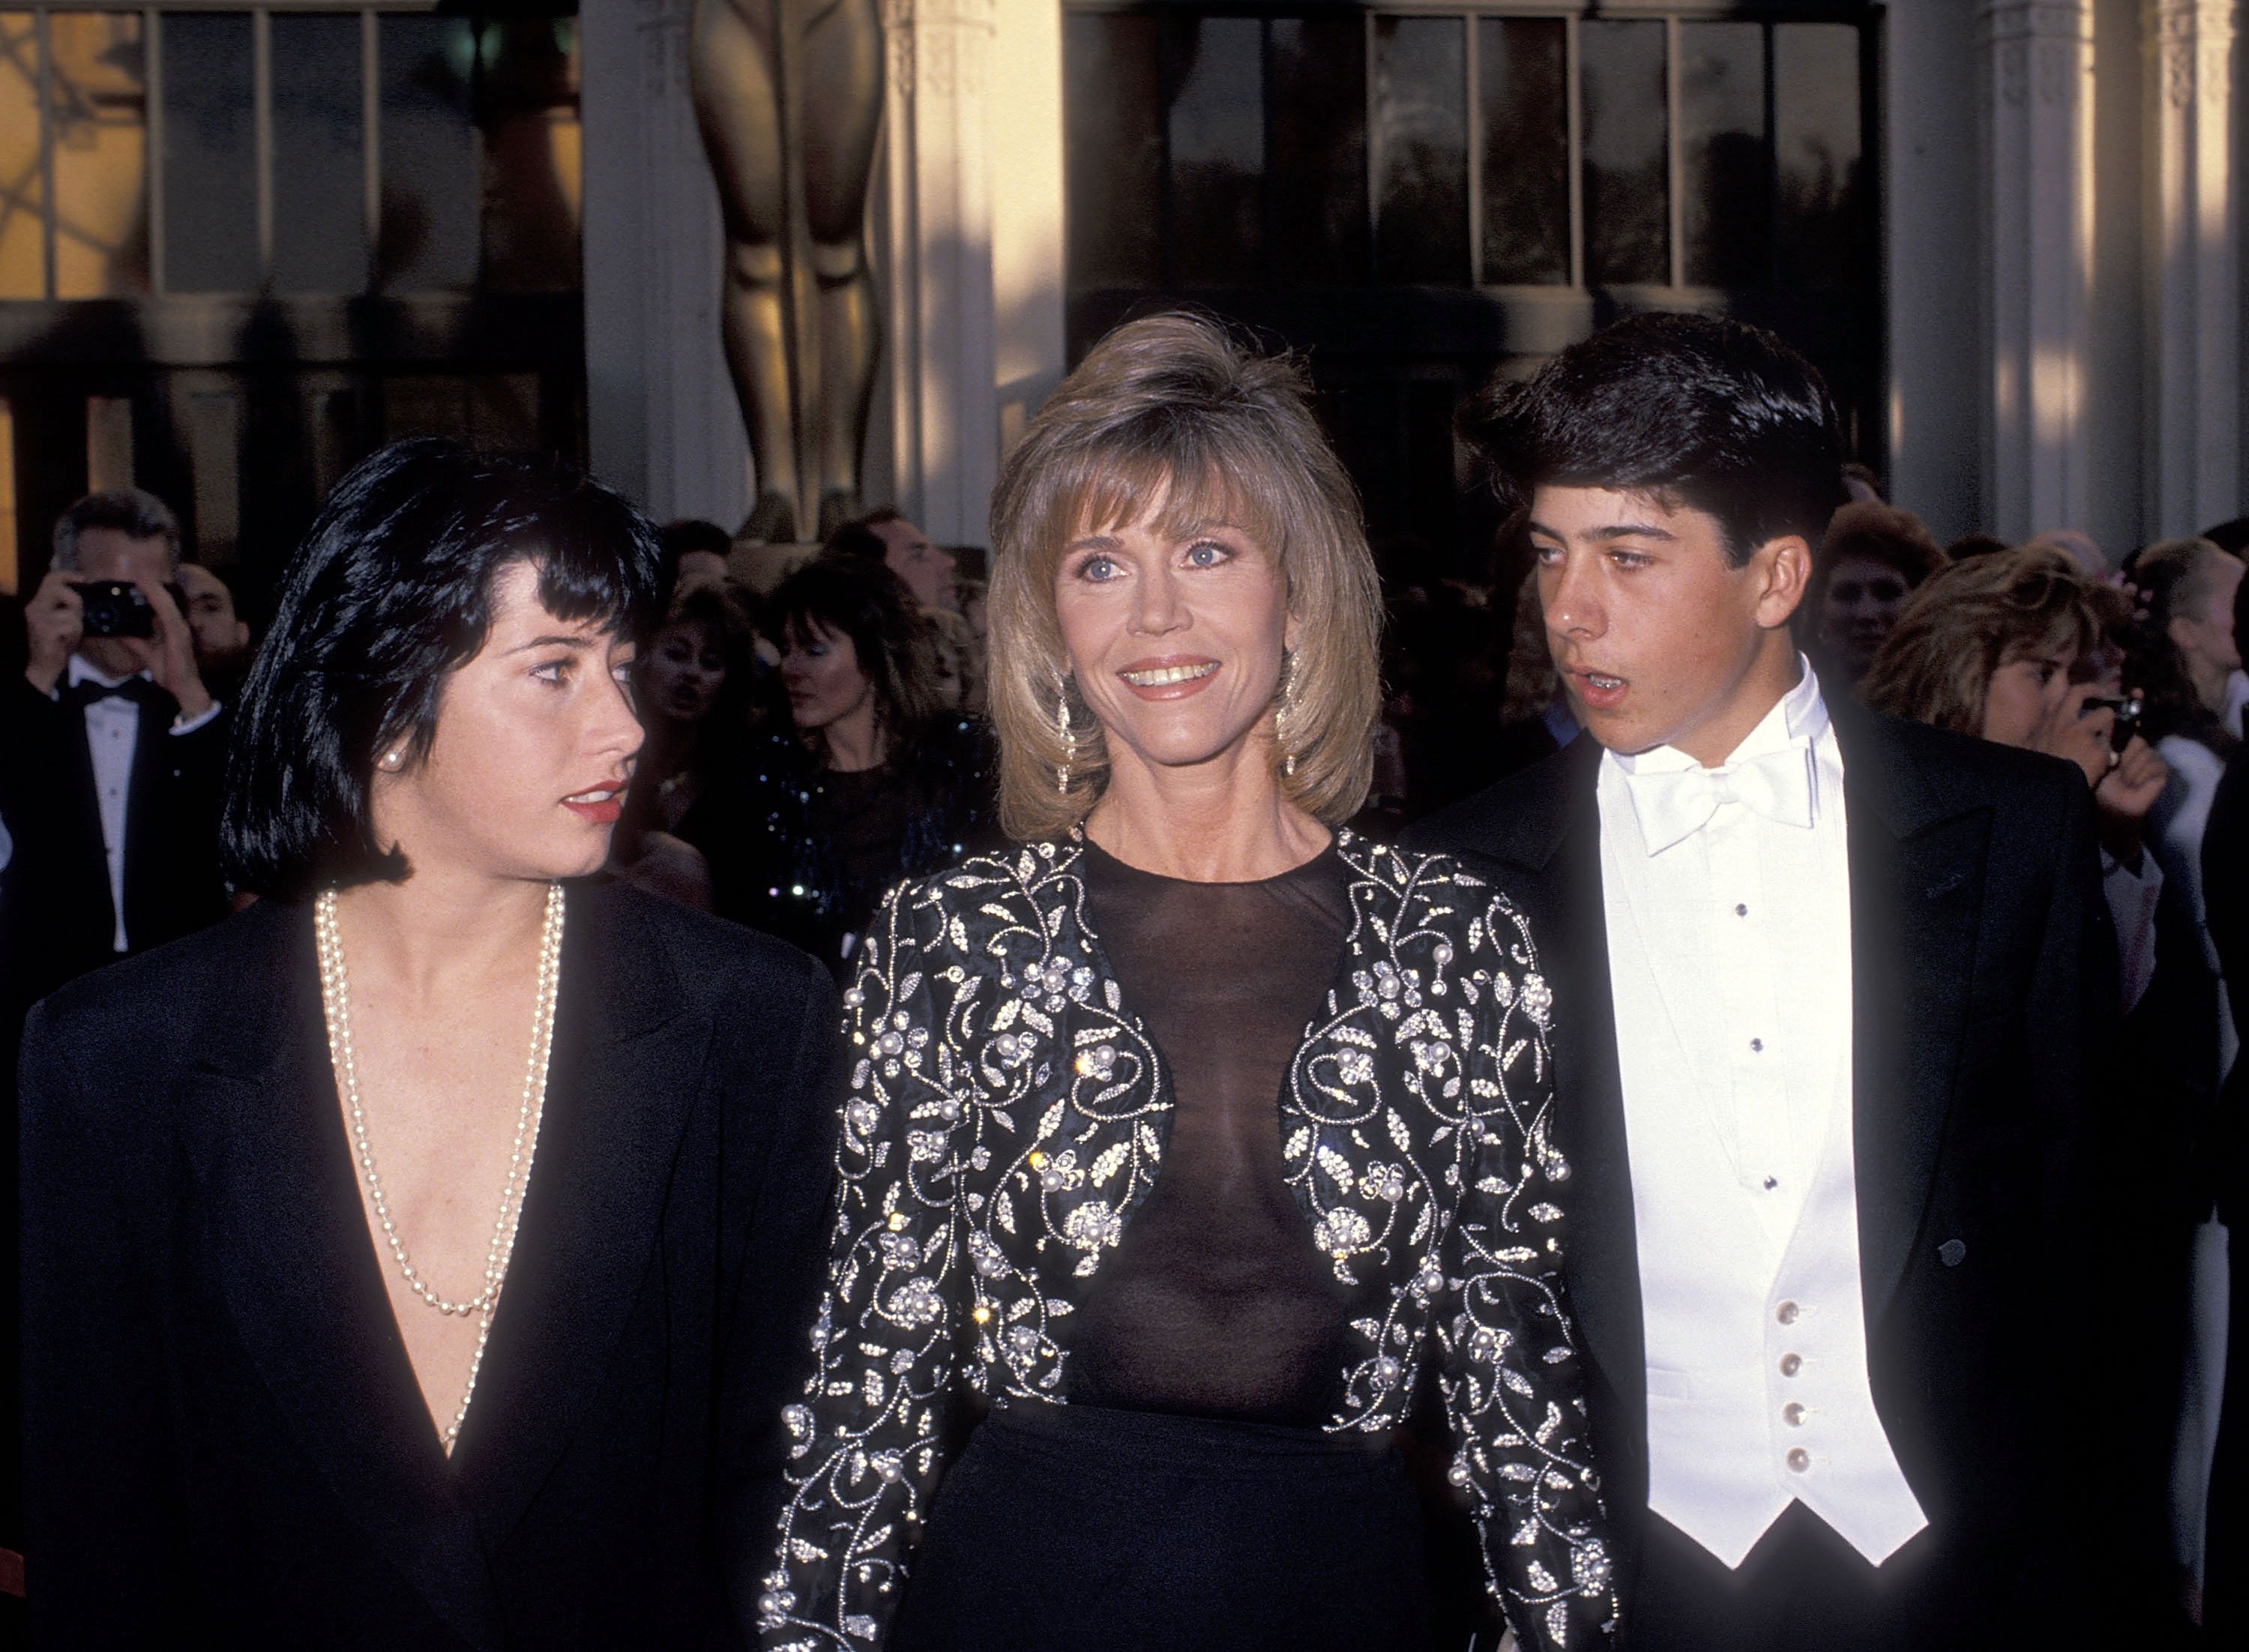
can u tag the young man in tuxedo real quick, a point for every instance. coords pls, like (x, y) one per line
(1826, 989)
(116, 830)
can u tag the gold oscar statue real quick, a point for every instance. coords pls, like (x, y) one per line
(789, 97)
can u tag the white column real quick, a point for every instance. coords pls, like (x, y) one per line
(1930, 208)
(1027, 132)
(2191, 219)
(2035, 66)
(939, 307)
(663, 421)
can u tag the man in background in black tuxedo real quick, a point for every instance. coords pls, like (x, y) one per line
(111, 758)
(1828, 991)
(117, 753)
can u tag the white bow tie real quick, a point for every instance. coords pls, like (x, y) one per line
(1673, 804)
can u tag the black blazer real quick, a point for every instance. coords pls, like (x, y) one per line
(58, 883)
(226, 1445)
(1983, 980)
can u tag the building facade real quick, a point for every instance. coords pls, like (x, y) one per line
(2010, 230)
(241, 244)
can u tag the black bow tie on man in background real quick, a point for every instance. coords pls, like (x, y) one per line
(88, 690)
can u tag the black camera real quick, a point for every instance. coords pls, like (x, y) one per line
(2129, 712)
(116, 609)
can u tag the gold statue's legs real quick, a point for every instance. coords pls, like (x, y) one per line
(842, 115)
(834, 55)
(848, 330)
(756, 332)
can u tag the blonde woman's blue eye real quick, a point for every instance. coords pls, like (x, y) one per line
(1205, 556)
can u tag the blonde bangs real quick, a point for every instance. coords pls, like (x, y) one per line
(1161, 400)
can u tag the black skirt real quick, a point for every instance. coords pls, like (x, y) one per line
(1079, 1528)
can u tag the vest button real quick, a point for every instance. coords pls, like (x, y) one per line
(1792, 1414)
(1786, 1313)
(1791, 1364)
(1799, 1460)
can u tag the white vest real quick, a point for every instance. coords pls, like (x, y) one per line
(1744, 1191)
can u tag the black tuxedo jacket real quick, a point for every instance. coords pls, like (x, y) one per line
(226, 1445)
(1984, 986)
(62, 923)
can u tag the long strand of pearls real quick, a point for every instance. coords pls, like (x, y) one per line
(336, 1002)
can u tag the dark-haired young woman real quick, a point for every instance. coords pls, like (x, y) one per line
(875, 783)
(407, 1259)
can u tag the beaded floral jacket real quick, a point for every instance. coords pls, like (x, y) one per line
(1008, 1113)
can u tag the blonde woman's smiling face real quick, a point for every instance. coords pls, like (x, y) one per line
(1175, 634)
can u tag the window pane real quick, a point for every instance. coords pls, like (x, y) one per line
(431, 190)
(99, 87)
(211, 155)
(1722, 135)
(1823, 237)
(1218, 149)
(1315, 188)
(1627, 214)
(320, 155)
(1523, 63)
(23, 218)
(1113, 108)
(1422, 122)
(528, 108)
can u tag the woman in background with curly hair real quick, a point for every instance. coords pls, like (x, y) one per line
(1188, 1137)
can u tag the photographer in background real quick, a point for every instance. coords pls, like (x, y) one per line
(116, 840)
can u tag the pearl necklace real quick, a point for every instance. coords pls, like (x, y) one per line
(336, 1002)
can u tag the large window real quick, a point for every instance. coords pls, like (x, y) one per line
(328, 152)
(1420, 197)
(240, 248)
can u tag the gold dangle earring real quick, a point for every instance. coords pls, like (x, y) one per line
(1068, 735)
(1281, 713)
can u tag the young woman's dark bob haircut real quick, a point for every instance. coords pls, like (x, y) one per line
(1712, 414)
(390, 594)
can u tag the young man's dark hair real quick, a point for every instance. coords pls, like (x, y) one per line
(1711, 413)
(392, 590)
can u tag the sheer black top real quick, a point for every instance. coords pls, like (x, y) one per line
(1216, 1302)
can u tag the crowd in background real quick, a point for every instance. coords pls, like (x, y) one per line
(812, 744)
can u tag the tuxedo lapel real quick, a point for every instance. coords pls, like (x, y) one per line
(1604, 1254)
(1555, 836)
(297, 1268)
(1917, 878)
(149, 825)
(79, 841)
(625, 1076)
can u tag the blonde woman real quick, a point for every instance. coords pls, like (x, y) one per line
(1187, 1136)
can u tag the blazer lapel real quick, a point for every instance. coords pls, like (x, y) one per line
(1917, 904)
(625, 1074)
(301, 1277)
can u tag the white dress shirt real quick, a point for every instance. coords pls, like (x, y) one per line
(113, 732)
(1726, 892)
